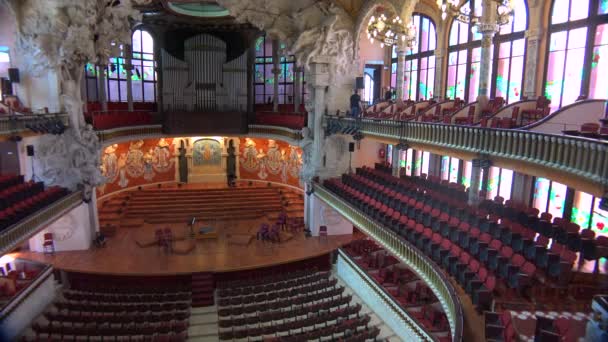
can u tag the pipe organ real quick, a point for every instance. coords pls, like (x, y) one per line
(204, 81)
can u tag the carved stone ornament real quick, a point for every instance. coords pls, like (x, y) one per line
(63, 35)
(308, 168)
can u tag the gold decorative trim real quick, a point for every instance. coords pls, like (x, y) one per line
(275, 130)
(130, 132)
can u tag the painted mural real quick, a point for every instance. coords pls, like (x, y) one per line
(206, 152)
(270, 160)
(137, 163)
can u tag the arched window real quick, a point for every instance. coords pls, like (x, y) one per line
(420, 61)
(143, 76)
(264, 78)
(577, 51)
(464, 56)
(510, 47)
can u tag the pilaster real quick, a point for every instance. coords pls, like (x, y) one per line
(129, 67)
(101, 86)
(533, 38)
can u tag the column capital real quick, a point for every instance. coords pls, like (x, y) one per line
(534, 34)
(319, 71)
(440, 52)
(487, 29)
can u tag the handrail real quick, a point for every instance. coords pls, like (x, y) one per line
(559, 111)
(576, 156)
(388, 300)
(129, 132)
(279, 131)
(421, 264)
(14, 235)
(14, 124)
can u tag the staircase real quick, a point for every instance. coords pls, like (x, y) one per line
(202, 289)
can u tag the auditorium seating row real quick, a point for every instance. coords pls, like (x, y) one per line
(437, 220)
(285, 293)
(7, 181)
(593, 130)
(114, 118)
(307, 299)
(129, 285)
(152, 308)
(23, 199)
(126, 298)
(402, 284)
(298, 279)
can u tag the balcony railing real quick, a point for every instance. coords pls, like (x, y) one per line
(16, 124)
(424, 267)
(128, 133)
(383, 304)
(14, 235)
(576, 156)
(278, 131)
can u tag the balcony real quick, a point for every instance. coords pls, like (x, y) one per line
(12, 236)
(18, 125)
(423, 266)
(579, 158)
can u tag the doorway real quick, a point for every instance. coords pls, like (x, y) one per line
(372, 82)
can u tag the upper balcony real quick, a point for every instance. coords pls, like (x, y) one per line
(566, 158)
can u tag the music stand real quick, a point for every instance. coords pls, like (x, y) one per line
(192, 222)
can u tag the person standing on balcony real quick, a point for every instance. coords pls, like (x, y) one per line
(355, 104)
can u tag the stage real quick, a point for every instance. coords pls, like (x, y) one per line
(122, 256)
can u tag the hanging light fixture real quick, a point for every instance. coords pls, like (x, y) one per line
(463, 13)
(388, 31)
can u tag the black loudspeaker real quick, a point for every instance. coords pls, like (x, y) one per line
(30, 150)
(13, 75)
(351, 147)
(7, 89)
(359, 83)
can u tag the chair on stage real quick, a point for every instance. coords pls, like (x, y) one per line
(282, 219)
(262, 233)
(168, 239)
(323, 232)
(48, 245)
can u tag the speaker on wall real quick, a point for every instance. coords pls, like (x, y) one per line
(359, 83)
(30, 150)
(13, 75)
(351, 147)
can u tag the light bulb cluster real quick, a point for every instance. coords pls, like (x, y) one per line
(388, 31)
(463, 13)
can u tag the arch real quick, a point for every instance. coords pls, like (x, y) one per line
(365, 13)
(420, 63)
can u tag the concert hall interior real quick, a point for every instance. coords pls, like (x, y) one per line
(310, 170)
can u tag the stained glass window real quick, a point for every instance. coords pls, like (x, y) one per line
(264, 78)
(419, 78)
(549, 196)
(464, 56)
(467, 168)
(425, 163)
(575, 67)
(408, 162)
(143, 74)
(445, 167)
(454, 166)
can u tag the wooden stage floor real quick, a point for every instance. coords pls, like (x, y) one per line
(122, 256)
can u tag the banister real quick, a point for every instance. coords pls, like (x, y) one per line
(24, 229)
(422, 265)
(576, 156)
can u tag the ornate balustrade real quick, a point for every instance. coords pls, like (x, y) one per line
(14, 235)
(586, 159)
(16, 124)
(283, 133)
(424, 267)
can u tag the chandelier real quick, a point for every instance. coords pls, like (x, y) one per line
(504, 12)
(388, 31)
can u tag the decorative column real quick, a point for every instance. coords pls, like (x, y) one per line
(319, 80)
(101, 86)
(129, 67)
(439, 78)
(251, 77)
(395, 161)
(475, 182)
(401, 52)
(487, 34)
(297, 86)
(276, 71)
(533, 38)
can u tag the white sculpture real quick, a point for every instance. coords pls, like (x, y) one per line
(63, 35)
(308, 168)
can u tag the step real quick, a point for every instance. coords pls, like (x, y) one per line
(207, 309)
(202, 330)
(203, 318)
(204, 338)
